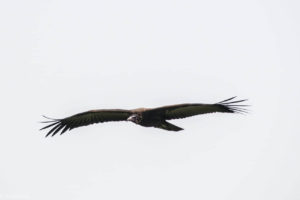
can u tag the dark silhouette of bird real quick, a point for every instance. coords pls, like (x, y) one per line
(147, 117)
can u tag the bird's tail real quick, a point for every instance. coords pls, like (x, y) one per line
(168, 126)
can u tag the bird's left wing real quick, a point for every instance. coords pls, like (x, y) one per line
(84, 119)
(187, 110)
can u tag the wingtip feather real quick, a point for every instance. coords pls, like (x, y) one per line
(233, 107)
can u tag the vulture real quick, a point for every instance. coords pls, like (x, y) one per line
(147, 117)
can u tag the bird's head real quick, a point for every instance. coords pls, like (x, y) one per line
(135, 118)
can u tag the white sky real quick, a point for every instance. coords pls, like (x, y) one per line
(59, 58)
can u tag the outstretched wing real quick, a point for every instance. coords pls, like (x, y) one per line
(84, 119)
(188, 110)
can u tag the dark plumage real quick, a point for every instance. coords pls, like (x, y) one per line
(148, 117)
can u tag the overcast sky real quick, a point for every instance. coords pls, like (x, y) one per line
(59, 58)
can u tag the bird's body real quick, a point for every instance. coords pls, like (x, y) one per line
(147, 117)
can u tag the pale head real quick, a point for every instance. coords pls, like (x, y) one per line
(136, 118)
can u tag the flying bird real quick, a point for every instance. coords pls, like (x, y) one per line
(147, 117)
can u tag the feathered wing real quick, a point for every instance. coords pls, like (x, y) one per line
(188, 110)
(84, 119)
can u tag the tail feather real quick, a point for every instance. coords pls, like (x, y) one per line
(168, 126)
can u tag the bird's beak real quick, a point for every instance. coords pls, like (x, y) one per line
(131, 118)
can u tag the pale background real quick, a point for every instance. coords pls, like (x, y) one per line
(62, 57)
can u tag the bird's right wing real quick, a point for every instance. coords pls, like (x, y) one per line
(187, 110)
(84, 119)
